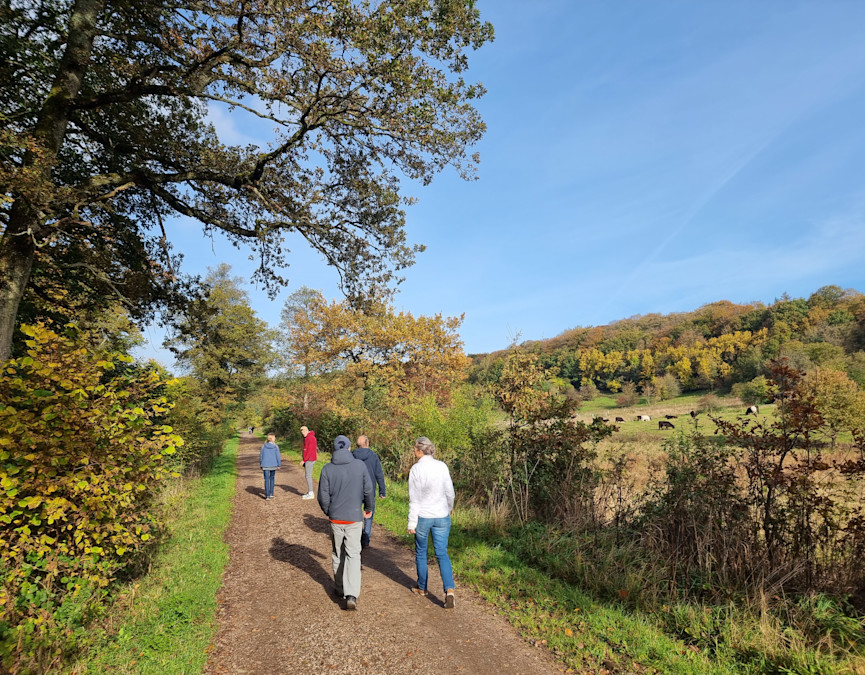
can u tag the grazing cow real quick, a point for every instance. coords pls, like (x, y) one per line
(752, 410)
(604, 419)
(692, 413)
(644, 418)
(620, 419)
(672, 417)
(663, 424)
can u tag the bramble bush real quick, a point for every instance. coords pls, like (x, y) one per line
(82, 453)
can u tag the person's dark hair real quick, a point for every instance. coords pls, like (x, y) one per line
(425, 445)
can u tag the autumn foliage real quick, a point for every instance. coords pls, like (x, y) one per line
(82, 452)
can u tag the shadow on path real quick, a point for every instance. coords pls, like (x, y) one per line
(379, 561)
(371, 557)
(257, 491)
(304, 559)
(290, 488)
(316, 524)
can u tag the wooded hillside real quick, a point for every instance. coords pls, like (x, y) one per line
(716, 346)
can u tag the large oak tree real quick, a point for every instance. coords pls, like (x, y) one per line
(104, 135)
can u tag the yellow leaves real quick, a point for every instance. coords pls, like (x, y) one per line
(30, 502)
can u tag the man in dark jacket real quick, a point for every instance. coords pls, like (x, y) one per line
(344, 485)
(373, 465)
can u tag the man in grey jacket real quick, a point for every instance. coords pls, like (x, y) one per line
(343, 486)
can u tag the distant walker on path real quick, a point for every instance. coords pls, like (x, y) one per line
(373, 465)
(430, 502)
(343, 486)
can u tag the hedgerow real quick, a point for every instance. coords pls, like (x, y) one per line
(83, 445)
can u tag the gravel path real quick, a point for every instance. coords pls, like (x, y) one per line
(278, 614)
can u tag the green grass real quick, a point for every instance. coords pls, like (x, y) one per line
(164, 623)
(581, 632)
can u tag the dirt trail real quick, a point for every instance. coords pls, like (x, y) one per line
(278, 614)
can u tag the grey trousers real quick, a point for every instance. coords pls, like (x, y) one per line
(346, 557)
(307, 467)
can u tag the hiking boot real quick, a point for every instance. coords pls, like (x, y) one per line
(449, 600)
(419, 591)
(350, 602)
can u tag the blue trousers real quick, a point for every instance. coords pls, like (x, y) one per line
(367, 529)
(437, 529)
(269, 480)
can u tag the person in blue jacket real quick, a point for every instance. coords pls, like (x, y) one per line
(373, 465)
(270, 461)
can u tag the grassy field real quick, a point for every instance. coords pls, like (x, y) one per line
(163, 623)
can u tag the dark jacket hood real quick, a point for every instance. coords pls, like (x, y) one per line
(362, 453)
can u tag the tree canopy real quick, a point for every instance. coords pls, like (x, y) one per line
(105, 135)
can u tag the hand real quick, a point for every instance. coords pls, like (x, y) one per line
(367, 514)
(381, 496)
(411, 531)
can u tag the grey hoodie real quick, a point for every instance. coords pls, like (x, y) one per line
(344, 485)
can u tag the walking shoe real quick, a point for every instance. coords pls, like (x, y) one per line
(350, 602)
(419, 591)
(308, 495)
(449, 600)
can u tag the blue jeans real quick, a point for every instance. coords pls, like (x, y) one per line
(367, 529)
(439, 529)
(269, 479)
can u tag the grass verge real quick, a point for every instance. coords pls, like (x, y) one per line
(164, 623)
(587, 634)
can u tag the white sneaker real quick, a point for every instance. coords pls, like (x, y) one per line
(308, 495)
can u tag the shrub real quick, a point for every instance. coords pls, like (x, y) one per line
(628, 397)
(754, 392)
(588, 391)
(82, 448)
(668, 387)
(709, 403)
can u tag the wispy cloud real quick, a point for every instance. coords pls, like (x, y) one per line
(229, 125)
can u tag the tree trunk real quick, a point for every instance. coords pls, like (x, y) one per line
(26, 222)
(17, 249)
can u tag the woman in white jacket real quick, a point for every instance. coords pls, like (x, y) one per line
(430, 502)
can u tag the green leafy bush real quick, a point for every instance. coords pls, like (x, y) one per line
(82, 452)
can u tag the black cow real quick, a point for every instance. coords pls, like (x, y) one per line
(663, 424)
(692, 413)
(620, 419)
(672, 417)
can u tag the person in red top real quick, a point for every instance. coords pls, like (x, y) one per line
(308, 457)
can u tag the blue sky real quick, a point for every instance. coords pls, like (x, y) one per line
(640, 157)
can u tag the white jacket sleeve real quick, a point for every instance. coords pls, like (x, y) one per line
(413, 495)
(449, 491)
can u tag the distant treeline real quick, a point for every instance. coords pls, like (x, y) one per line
(713, 347)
